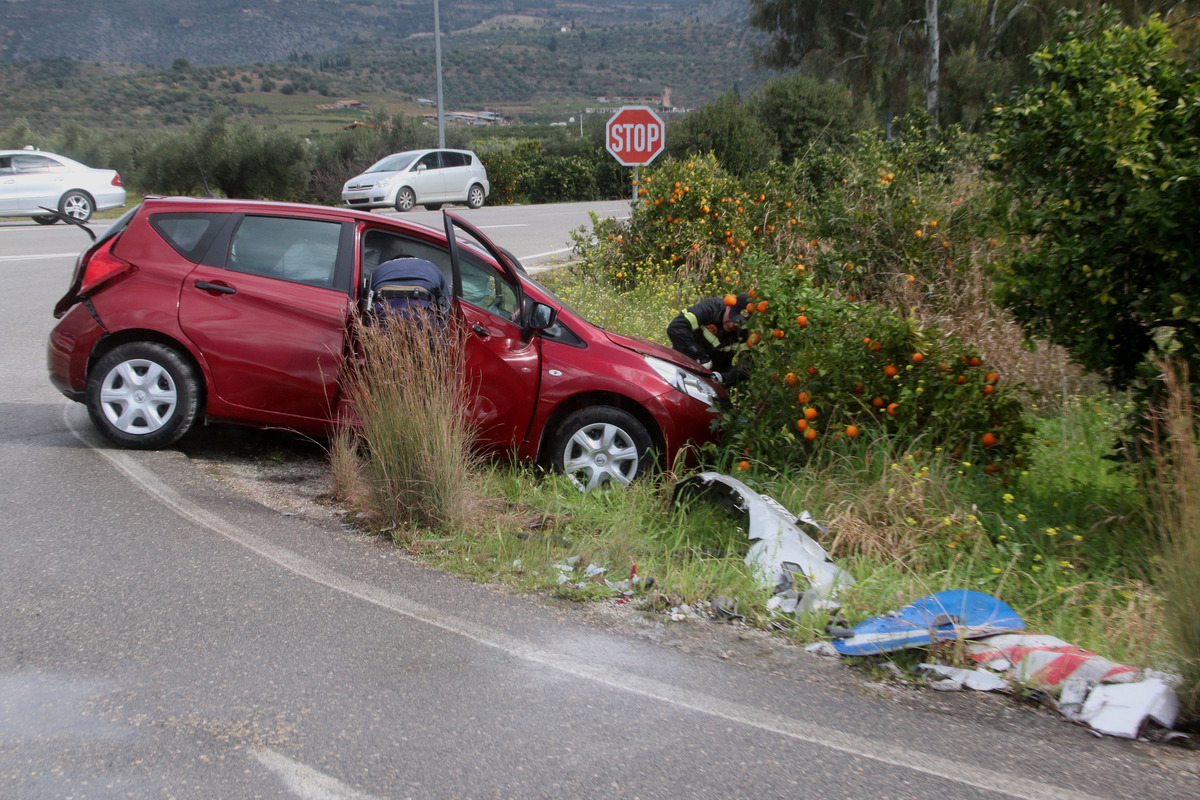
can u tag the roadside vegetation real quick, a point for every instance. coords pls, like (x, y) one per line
(891, 396)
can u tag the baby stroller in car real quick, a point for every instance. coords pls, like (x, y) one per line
(409, 288)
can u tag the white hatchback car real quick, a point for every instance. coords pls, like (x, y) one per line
(32, 181)
(420, 177)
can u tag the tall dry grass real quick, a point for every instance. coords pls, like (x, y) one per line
(1175, 489)
(410, 457)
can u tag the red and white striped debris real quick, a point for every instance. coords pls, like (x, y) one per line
(1046, 661)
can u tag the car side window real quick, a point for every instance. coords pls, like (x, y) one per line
(455, 159)
(298, 250)
(189, 234)
(30, 164)
(483, 285)
(430, 161)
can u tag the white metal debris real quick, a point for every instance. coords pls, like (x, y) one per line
(791, 564)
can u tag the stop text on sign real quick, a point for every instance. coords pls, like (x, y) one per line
(635, 135)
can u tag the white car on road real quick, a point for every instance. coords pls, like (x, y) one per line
(32, 181)
(420, 177)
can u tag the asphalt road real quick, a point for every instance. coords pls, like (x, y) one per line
(161, 636)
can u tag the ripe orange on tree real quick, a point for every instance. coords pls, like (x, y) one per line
(991, 378)
(802, 321)
(810, 413)
(810, 434)
(792, 380)
(777, 333)
(858, 387)
(877, 402)
(802, 397)
(989, 439)
(801, 425)
(890, 370)
(894, 409)
(762, 306)
(743, 465)
(973, 361)
(918, 358)
(852, 431)
(961, 380)
(753, 340)
(731, 299)
(988, 389)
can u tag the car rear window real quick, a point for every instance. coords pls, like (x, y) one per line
(189, 234)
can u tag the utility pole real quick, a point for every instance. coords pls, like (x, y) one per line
(437, 51)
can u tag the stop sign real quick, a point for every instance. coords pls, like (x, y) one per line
(635, 135)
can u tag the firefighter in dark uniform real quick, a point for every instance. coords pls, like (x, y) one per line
(711, 332)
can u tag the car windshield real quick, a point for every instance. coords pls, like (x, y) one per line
(393, 163)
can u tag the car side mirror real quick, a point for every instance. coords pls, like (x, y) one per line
(542, 316)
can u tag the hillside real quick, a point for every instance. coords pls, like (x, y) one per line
(213, 32)
(520, 65)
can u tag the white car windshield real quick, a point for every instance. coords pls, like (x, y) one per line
(393, 163)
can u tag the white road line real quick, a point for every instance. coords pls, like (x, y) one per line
(304, 781)
(548, 253)
(41, 257)
(830, 738)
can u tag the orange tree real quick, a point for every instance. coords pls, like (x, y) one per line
(825, 367)
(691, 217)
(1099, 160)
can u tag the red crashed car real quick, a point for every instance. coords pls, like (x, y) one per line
(191, 310)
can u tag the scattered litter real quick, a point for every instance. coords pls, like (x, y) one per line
(822, 649)
(978, 679)
(569, 570)
(947, 685)
(790, 563)
(945, 616)
(1122, 709)
(1031, 658)
(631, 585)
(725, 610)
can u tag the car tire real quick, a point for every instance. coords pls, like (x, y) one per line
(433, 206)
(475, 196)
(405, 199)
(143, 395)
(77, 204)
(601, 445)
(45, 219)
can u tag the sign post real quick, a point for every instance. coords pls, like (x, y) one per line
(635, 135)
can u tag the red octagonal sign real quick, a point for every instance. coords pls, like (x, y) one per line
(635, 135)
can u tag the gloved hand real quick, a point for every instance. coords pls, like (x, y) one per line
(716, 376)
(706, 364)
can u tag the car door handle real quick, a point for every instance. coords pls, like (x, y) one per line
(480, 330)
(215, 287)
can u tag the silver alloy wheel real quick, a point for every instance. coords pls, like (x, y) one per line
(599, 453)
(405, 199)
(77, 205)
(475, 196)
(138, 396)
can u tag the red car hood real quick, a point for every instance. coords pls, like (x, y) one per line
(649, 348)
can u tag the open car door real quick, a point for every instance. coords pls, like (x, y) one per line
(503, 357)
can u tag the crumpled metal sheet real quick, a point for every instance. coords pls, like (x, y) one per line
(792, 565)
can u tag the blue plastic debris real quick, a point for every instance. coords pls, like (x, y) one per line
(945, 616)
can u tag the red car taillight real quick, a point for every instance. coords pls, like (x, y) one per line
(116, 181)
(101, 268)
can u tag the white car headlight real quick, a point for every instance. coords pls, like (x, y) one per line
(383, 183)
(687, 382)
